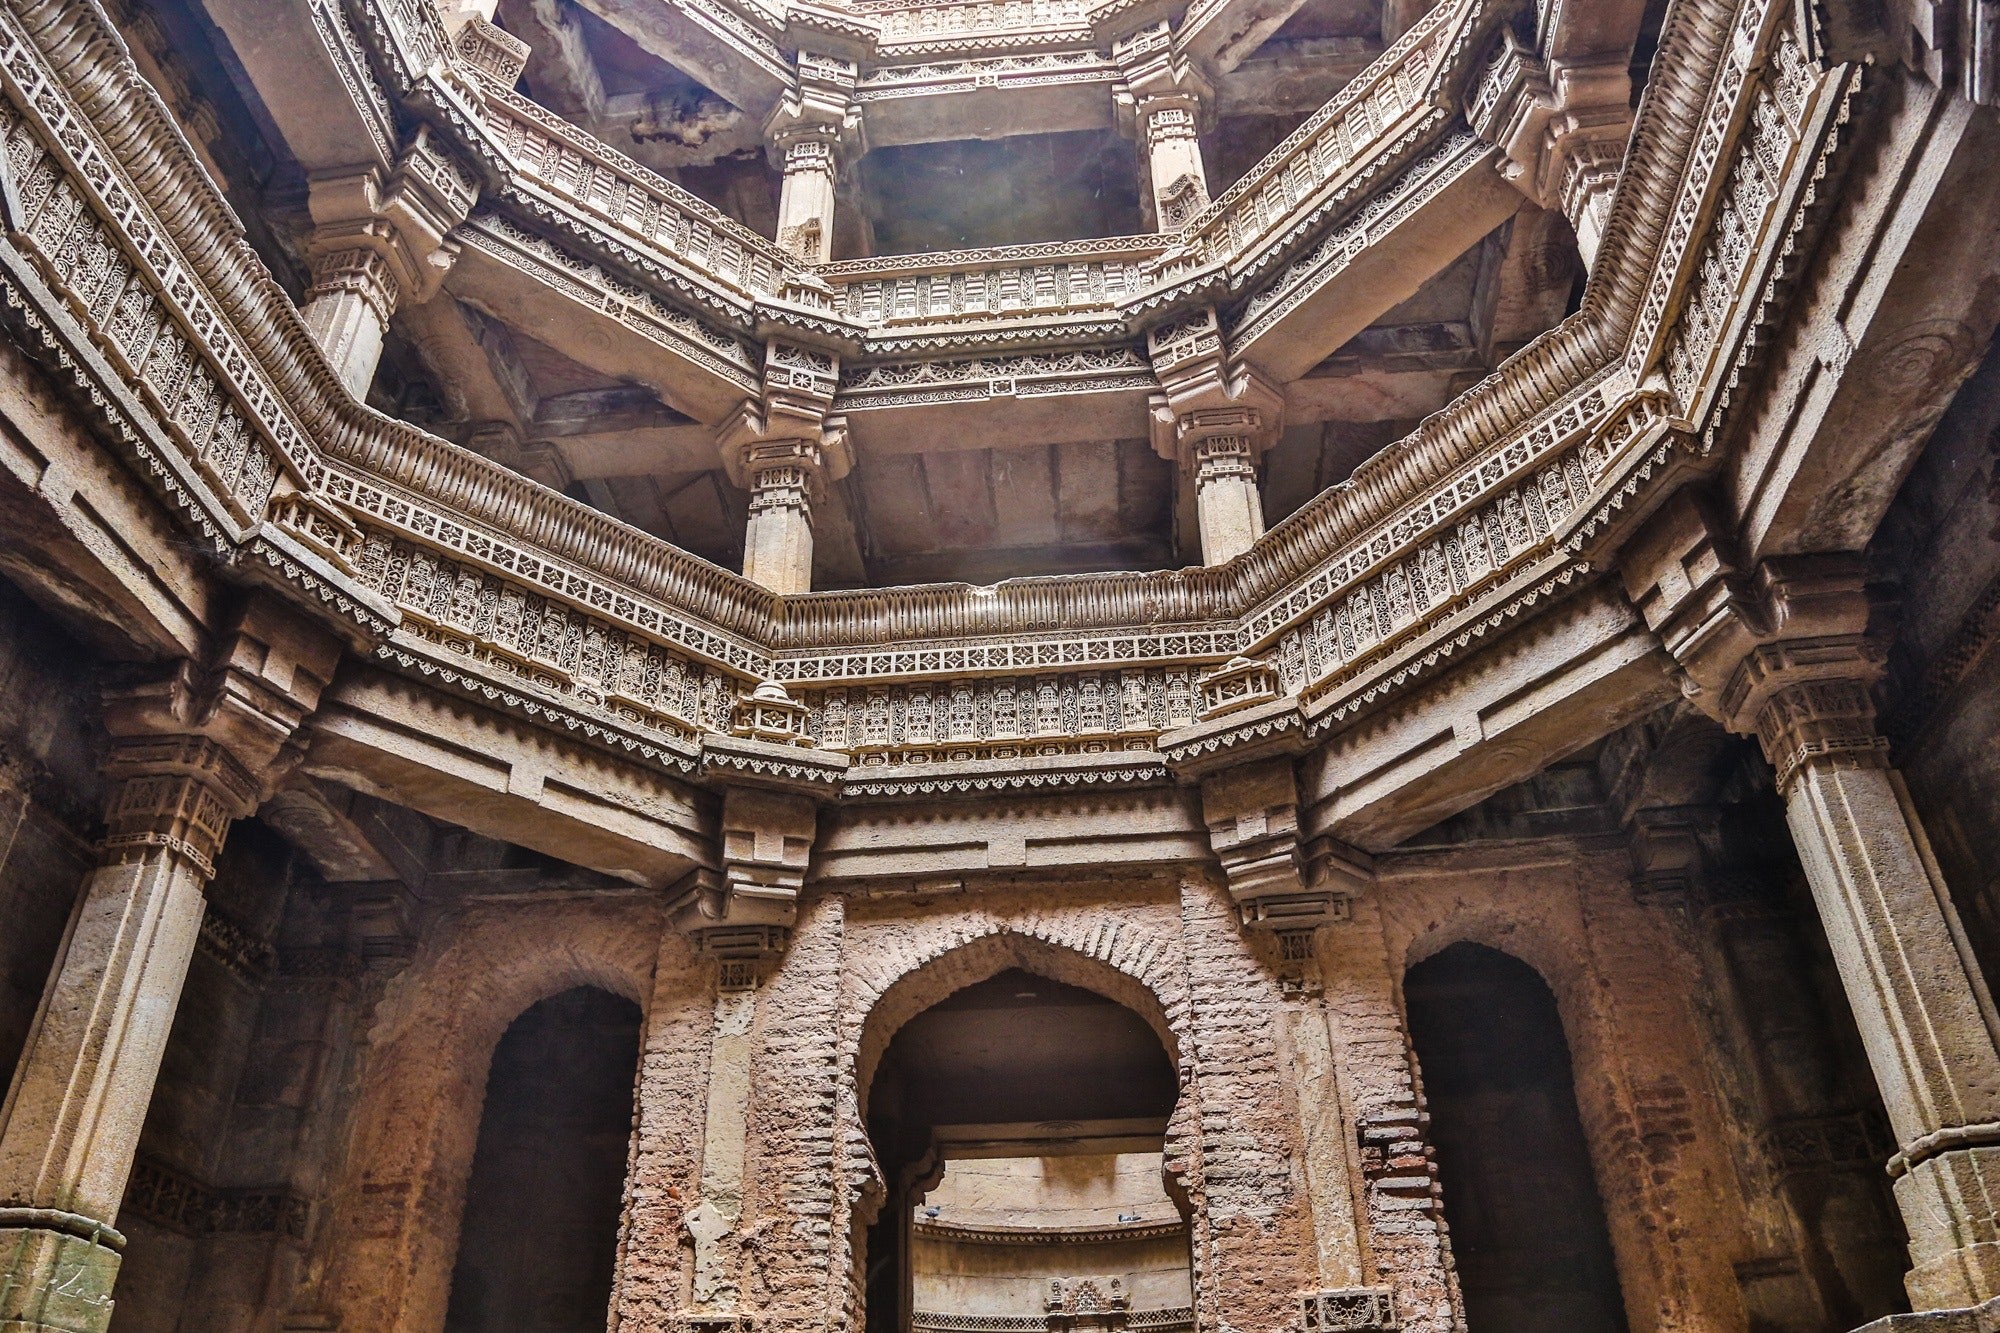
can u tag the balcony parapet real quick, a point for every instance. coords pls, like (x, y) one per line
(535, 603)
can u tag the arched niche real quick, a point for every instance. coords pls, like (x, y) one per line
(1527, 1223)
(538, 1237)
(1020, 1120)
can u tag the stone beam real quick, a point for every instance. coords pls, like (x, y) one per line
(496, 275)
(1881, 346)
(448, 758)
(1222, 36)
(1286, 78)
(349, 837)
(936, 845)
(897, 422)
(749, 73)
(454, 345)
(308, 70)
(1456, 197)
(1579, 671)
(560, 67)
(83, 538)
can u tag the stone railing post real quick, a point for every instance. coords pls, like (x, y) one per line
(188, 757)
(1162, 103)
(1215, 419)
(379, 240)
(1785, 654)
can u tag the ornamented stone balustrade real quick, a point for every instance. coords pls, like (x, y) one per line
(574, 184)
(126, 264)
(1009, 73)
(1023, 283)
(959, 25)
(576, 172)
(1321, 165)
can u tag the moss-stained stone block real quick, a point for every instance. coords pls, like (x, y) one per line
(54, 1283)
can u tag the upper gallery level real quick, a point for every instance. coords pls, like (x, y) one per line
(238, 273)
(853, 295)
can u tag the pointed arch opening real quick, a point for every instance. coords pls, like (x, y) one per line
(1020, 1123)
(538, 1241)
(1527, 1224)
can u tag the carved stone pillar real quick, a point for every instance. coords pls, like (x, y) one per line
(773, 779)
(347, 309)
(1563, 126)
(186, 761)
(784, 450)
(1231, 511)
(1925, 1016)
(1215, 419)
(1785, 654)
(379, 239)
(812, 132)
(1161, 103)
(778, 540)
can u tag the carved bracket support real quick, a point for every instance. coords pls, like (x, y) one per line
(773, 779)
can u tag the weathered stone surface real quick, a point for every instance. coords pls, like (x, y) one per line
(418, 582)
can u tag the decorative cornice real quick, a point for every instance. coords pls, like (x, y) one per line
(172, 328)
(1109, 1233)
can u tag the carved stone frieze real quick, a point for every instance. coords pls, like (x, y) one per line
(1369, 1309)
(1550, 446)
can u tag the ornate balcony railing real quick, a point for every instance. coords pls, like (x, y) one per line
(1010, 285)
(125, 261)
(1389, 106)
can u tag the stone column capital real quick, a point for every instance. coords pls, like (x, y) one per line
(1820, 722)
(818, 113)
(173, 794)
(1156, 74)
(247, 703)
(1742, 636)
(788, 426)
(385, 234)
(1562, 125)
(1204, 396)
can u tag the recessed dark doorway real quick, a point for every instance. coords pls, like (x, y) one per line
(539, 1242)
(1527, 1225)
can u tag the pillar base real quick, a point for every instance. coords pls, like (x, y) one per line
(53, 1280)
(1981, 1318)
(1946, 1202)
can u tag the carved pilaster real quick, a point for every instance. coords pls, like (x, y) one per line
(784, 450)
(1563, 127)
(190, 754)
(380, 240)
(1162, 102)
(1241, 755)
(811, 134)
(1215, 418)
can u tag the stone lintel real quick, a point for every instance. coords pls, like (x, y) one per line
(1257, 731)
(740, 761)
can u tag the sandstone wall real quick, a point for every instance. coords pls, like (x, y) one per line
(49, 793)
